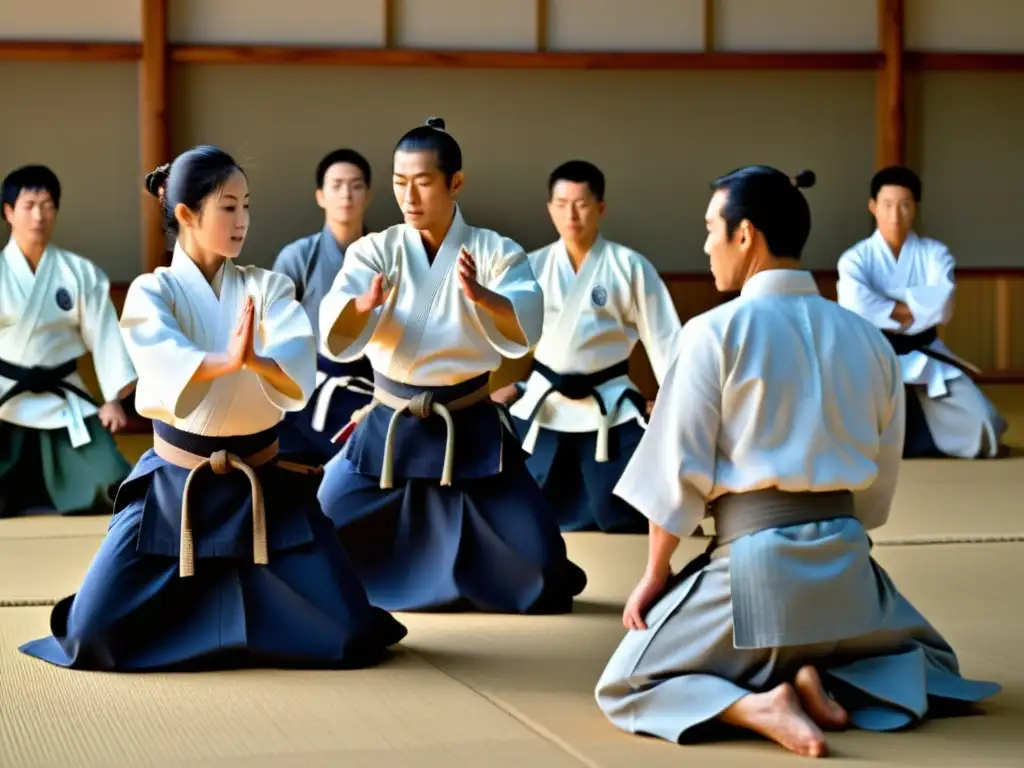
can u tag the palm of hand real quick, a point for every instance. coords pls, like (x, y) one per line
(468, 277)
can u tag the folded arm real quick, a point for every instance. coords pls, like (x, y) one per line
(932, 304)
(856, 293)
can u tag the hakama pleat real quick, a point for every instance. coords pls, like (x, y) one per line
(42, 473)
(577, 487)
(305, 608)
(962, 424)
(674, 678)
(488, 542)
(297, 434)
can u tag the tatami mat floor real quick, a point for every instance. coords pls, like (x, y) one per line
(477, 690)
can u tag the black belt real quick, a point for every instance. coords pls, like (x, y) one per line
(40, 379)
(904, 343)
(580, 386)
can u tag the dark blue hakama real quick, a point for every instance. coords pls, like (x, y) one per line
(297, 434)
(577, 486)
(134, 612)
(488, 541)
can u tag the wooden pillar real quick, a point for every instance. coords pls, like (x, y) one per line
(541, 12)
(154, 132)
(890, 147)
(1004, 324)
(709, 26)
(390, 23)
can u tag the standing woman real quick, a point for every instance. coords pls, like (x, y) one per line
(431, 496)
(217, 552)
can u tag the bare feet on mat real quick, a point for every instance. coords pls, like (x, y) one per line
(822, 708)
(777, 715)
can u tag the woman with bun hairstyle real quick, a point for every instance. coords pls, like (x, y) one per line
(781, 418)
(430, 494)
(217, 553)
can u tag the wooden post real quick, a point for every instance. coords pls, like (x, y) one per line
(390, 23)
(1004, 324)
(154, 132)
(709, 25)
(542, 12)
(890, 147)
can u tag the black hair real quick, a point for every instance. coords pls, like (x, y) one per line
(772, 202)
(896, 176)
(432, 137)
(349, 156)
(31, 178)
(579, 172)
(190, 179)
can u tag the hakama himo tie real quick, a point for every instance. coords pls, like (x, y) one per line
(717, 634)
(176, 516)
(41, 470)
(342, 389)
(433, 501)
(577, 471)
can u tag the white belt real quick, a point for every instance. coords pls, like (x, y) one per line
(326, 390)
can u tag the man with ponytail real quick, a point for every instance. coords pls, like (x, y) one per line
(782, 418)
(430, 495)
(56, 449)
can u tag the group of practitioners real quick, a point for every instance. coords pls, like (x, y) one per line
(328, 447)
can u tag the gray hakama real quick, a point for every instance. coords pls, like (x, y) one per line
(789, 582)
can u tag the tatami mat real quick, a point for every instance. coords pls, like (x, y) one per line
(478, 690)
(490, 690)
(43, 558)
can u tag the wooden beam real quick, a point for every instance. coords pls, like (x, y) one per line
(154, 132)
(390, 23)
(542, 13)
(964, 62)
(890, 111)
(60, 51)
(44, 50)
(405, 58)
(709, 25)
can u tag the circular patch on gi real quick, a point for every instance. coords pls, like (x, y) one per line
(64, 299)
(599, 296)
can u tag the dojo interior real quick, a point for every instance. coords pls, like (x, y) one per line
(663, 97)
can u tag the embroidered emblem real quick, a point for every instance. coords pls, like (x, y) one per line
(64, 299)
(599, 296)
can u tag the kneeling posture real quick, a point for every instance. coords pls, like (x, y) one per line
(580, 413)
(343, 191)
(218, 552)
(785, 412)
(904, 285)
(56, 449)
(431, 495)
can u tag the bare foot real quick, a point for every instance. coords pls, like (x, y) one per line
(777, 715)
(822, 708)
